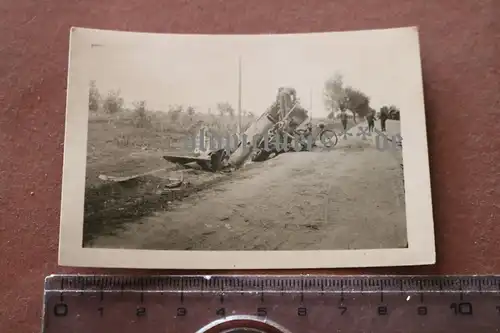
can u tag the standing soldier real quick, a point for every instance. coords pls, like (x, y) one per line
(383, 118)
(371, 120)
(343, 117)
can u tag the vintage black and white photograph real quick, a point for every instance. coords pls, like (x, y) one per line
(246, 151)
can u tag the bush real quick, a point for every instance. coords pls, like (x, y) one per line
(225, 109)
(113, 102)
(175, 112)
(141, 118)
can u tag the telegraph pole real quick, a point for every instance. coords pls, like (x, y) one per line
(239, 95)
(310, 102)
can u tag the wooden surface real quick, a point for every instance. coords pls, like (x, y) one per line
(460, 53)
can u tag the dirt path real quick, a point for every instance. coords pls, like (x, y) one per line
(348, 198)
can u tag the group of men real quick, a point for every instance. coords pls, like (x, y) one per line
(288, 96)
(370, 118)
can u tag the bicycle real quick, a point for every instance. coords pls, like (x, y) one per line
(326, 136)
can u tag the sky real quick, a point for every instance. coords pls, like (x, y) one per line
(202, 70)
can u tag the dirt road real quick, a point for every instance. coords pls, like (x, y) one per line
(348, 198)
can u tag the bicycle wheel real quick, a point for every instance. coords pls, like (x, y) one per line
(328, 138)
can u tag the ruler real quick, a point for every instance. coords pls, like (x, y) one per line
(271, 304)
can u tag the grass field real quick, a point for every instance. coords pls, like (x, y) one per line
(126, 144)
(121, 143)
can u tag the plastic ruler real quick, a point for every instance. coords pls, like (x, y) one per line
(271, 304)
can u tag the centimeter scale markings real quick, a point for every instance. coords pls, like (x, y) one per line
(271, 304)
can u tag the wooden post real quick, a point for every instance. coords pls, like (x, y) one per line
(239, 96)
(310, 104)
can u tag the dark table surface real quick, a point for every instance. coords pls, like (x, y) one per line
(460, 43)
